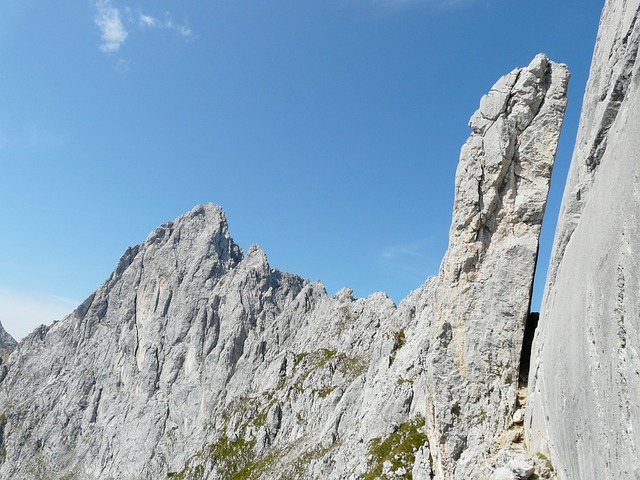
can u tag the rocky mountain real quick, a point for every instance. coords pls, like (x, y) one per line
(585, 382)
(195, 361)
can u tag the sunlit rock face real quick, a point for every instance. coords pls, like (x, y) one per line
(196, 360)
(482, 293)
(584, 385)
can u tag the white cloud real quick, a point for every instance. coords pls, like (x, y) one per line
(116, 22)
(21, 312)
(109, 20)
(149, 21)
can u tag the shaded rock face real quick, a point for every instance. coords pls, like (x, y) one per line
(7, 343)
(195, 361)
(584, 388)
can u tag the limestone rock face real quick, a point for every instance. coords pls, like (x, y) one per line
(196, 361)
(584, 388)
(482, 293)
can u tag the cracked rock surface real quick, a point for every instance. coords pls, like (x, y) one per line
(584, 388)
(482, 293)
(194, 360)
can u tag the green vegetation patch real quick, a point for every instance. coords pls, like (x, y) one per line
(230, 456)
(308, 362)
(399, 449)
(297, 469)
(236, 459)
(399, 341)
(326, 391)
(546, 461)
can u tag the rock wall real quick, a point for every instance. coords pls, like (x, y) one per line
(195, 361)
(584, 383)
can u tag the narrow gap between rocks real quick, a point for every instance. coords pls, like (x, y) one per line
(530, 325)
(525, 354)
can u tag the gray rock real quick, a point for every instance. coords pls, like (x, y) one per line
(521, 468)
(194, 358)
(482, 293)
(503, 473)
(422, 466)
(518, 416)
(584, 390)
(517, 469)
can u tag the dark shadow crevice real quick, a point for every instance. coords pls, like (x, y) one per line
(527, 343)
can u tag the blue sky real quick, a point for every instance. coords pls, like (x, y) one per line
(329, 131)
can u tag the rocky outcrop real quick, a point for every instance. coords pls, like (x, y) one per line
(194, 360)
(482, 293)
(584, 386)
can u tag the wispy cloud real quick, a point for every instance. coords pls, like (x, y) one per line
(109, 20)
(418, 258)
(148, 21)
(412, 250)
(168, 23)
(115, 24)
(21, 312)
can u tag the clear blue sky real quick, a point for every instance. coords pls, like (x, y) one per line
(328, 130)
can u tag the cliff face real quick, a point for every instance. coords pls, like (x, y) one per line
(584, 386)
(195, 361)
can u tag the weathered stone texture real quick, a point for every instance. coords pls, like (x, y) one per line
(584, 386)
(482, 292)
